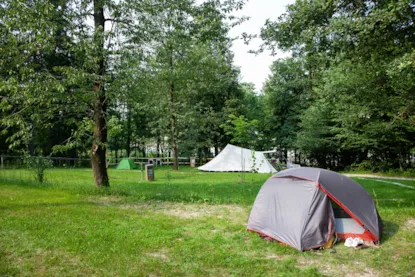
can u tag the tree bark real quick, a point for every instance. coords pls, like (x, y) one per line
(158, 146)
(98, 149)
(32, 141)
(143, 150)
(173, 121)
(136, 149)
(173, 129)
(295, 156)
(199, 154)
(128, 144)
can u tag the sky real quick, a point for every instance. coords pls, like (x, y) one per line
(255, 68)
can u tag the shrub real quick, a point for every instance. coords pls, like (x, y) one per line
(38, 165)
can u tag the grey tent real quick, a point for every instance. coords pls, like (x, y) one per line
(303, 207)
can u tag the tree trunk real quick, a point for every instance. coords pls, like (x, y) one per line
(128, 145)
(199, 154)
(285, 155)
(295, 156)
(173, 129)
(173, 121)
(98, 149)
(158, 146)
(32, 141)
(143, 151)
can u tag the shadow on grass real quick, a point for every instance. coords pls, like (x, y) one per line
(6, 268)
(46, 205)
(22, 182)
(389, 230)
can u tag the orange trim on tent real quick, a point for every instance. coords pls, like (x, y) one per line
(369, 234)
(365, 236)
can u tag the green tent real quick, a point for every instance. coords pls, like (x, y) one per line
(126, 164)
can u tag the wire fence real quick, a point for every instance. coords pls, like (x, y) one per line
(156, 161)
(20, 162)
(78, 170)
(14, 162)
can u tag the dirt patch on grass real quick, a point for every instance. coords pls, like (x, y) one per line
(54, 262)
(195, 211)
(160, 255)
(105, 200)
(181, 210)
(410, 225)
(341, 270)
(273, 257)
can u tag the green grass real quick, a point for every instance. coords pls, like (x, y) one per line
(187, 185)
(186, 223)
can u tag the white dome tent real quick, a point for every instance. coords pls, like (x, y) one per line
(234, 158)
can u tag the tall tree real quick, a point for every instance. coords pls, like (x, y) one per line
(184, 30)
(356, 48)
(243, 132)
(33, 32)
(288, 93)
(165, 38)
(99, 101)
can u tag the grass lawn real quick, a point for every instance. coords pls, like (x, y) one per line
(186, 223)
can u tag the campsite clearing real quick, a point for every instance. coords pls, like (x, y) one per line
(185, 223)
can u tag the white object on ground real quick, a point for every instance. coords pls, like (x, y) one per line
(353, 242)
(348, 242)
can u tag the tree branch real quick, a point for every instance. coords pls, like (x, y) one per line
(118, 21)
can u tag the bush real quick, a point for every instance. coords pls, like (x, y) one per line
(384, 167)
(38, 165)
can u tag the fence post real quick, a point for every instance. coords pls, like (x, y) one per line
(150, 172)
(192, 161)
(2, 165)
